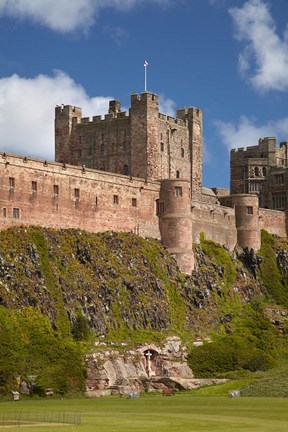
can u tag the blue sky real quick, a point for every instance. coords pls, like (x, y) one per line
(227, 57)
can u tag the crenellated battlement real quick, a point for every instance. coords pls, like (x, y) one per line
(172, 120)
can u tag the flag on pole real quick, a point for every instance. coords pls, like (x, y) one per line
(145, 63)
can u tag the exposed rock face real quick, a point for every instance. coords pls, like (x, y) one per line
(147, 368)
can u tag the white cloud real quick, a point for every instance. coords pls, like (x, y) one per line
(247, 133)
(166, 106)
(65, 15)
(27, 111)
(265, 57)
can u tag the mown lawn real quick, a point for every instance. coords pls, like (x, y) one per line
(181, 413)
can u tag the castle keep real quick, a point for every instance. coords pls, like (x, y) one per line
(142, 172)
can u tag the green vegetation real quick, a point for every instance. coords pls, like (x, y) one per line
(221, 257)
(162, 414)
(270, 274)
(30, 348)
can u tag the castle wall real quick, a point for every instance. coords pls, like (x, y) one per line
(57, 196)
(216, 222)
(273, 221)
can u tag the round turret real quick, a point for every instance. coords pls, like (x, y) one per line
(247, 220)
(174, 211)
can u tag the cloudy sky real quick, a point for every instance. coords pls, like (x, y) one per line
(227, 57)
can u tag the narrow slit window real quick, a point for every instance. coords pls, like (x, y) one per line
(134, 202)
(56, 191)
(34, 186)
(11, 183)
(115, 199)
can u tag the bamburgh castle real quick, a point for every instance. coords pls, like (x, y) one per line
(141, 172)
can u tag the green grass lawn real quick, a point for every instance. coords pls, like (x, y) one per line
(181, 413)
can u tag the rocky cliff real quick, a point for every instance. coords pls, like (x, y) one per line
(130, 290)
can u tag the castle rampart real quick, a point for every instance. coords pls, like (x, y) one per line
(64, 196)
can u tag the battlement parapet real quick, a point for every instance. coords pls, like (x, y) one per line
(172, 120)
(143, 97)
(99, 118)
(189, 112)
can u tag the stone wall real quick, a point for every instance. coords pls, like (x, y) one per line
(216, 222)
(63, 196)
(273, 221)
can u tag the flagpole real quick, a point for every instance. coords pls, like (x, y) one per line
(145, 75)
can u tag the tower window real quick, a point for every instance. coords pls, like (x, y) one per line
(77, 193)
(115, 199)
(134, 202)
(34, 186)
(11, 183)
(250, 210)
(177, 174)
(56, 191)
(178, 191)
(162, 146)
(182, 152)
(4, 212)
(159, 207)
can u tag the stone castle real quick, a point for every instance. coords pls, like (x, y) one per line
(142, 172)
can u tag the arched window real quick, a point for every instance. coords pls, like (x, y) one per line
(264, 171)
(256, 171)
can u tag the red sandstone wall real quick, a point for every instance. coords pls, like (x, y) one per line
(273, 221)
(95, 210)
(216, 222)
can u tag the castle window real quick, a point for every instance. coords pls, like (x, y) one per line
(56, 191)
(178, 191)
(34, 186)
(125, 170)
(264, 171)
(159, 207)
(4, 212)
(161, 136)
(11, 183)
(250, 210)
(162, 146)
(177, 174)
(102, 148)
(182, 152)
(96, 200)
(279, 201)
(255, 186)
(256, 171)
(16, 213)
(76, 198)
(134, 202)
(279, 179)
(115, 199)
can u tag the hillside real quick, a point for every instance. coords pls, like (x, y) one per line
(125, 288)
